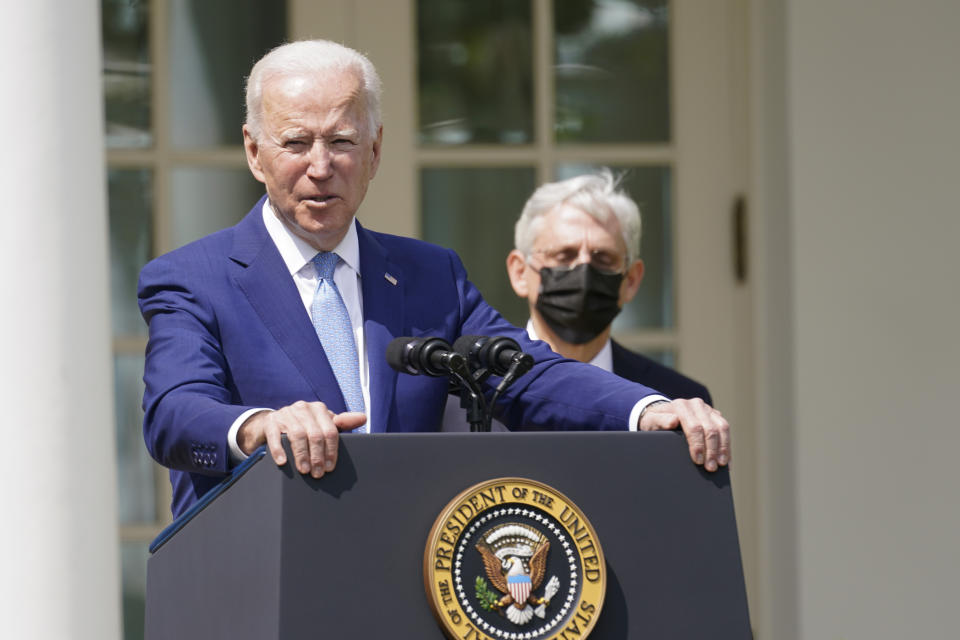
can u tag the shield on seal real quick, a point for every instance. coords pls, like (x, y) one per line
(519, 586)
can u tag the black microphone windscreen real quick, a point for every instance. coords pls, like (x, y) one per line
(397, 356)
(466, 345)
(497, 353)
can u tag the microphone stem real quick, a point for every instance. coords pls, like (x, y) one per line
(471, 398)
(519, 365)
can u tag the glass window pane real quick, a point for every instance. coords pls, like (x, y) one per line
(475, 66)
(213, 44)
(133, 559)
(130, 194)
(135, 467)
(207, 200)
(126, 73)
(612, 71)
(650, 188)
(473, 212)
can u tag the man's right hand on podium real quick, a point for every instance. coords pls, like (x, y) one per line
(706, 430)
(312, 429)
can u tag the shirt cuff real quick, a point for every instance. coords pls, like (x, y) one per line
(640, 406)
(236, 453)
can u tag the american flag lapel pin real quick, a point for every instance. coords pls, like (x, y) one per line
(389, 278)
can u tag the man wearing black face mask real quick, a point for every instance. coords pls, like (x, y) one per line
(576, 263)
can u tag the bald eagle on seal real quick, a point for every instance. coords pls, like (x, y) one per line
(512, 578)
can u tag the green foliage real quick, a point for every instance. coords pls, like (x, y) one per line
(486, 596)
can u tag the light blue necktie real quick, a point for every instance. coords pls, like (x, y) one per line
(332, 322)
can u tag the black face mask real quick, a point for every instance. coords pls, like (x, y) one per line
(578, 303)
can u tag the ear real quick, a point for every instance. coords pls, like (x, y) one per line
(516, 268)
(252, 150)
(375, 161)
(631, 282)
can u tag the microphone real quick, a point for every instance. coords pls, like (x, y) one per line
(498, 354)
(428, 356)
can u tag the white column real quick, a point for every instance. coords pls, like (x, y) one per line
(60, 570)
(873, 101)
(856, 173)
(775, 610)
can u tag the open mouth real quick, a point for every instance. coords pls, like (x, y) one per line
(320, 199)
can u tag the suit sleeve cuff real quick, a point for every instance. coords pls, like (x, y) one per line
(641, 406)
(236, 454)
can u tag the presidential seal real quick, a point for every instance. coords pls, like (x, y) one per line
(514, 559)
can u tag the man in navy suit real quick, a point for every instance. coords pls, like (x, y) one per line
(576, 261)
(234, 358)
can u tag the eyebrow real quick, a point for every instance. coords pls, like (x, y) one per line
(563, 248)
(299, 132)
(290, 134)
(347, 133)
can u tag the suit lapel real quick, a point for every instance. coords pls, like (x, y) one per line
(382, 286)
(262, 276)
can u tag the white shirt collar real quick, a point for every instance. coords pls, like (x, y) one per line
(295, 251)
(604, 359)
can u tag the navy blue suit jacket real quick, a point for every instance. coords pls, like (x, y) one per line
(228, 332)
(640, 368)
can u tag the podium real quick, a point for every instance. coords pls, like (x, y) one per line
(275, 554)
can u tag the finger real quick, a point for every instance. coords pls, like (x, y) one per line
(712, 442)
(310, 433)
(724, 454)
(705, 415)
(716, 435)
(271, 432)
(349, 420)
(692, 429)
(296, 417)
(324, 440)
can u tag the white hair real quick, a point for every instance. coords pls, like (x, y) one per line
(312, 57)
(597, 195)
